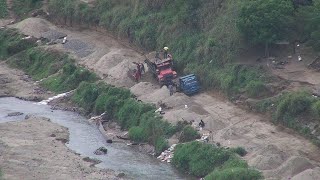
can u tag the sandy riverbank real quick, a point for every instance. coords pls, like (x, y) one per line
(35, 149)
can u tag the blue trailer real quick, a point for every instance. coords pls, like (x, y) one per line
(188, 84)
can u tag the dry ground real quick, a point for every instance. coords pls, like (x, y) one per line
(31, 149)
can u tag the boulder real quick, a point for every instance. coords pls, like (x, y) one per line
(101, 151)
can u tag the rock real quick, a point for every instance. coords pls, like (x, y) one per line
(15, 114)
(121, 175)
(101, 151)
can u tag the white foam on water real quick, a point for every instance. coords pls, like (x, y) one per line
(45, 102)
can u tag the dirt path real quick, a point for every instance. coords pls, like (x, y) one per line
(271, 149)
(38, 152)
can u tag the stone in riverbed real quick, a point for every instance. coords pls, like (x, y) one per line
(101, 151)
(15, 114)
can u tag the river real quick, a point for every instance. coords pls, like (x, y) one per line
(85, 138)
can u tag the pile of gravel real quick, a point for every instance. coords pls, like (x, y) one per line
(53, 35)
(80, 48)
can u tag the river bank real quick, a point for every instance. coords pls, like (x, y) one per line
(35, 149)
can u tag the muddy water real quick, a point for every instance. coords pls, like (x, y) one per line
(86, 138)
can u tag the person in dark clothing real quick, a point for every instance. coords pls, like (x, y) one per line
(201, 124)
(142, 68)
(138, 70)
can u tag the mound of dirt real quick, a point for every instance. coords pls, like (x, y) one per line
(157, 95)
(291, 167)
(309, 174)
(33, 26)
(143, 88)
(268, 158)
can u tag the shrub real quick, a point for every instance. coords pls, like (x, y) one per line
(188, 134)
(293, 104)
(256, 89)
(161, 144)
(11, 42)
(239, 150)
(137, 134)
(316, 109)
(3, 9)
(85, 95)
(235, 174)
(199, 159)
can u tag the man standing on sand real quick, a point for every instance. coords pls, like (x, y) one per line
(170, 88)
(165, 52)
(142, 68)
(138, 70)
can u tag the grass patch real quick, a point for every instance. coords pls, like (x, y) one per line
(11, 43)
(201, 159)
(22, 8)
(3, 9)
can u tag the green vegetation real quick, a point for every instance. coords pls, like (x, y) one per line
(11, 43)
(266, 21)
(139, 118)
(294, 110)
(3, 8)
(202, 159)
(21, 8)
(188, 134)
(198, 45)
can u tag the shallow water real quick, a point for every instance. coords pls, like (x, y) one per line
(85, 138)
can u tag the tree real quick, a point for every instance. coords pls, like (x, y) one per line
(266, 21)
(309, 20)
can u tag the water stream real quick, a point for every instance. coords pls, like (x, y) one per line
(85, 138)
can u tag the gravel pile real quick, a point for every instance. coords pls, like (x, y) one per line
(53, 35)
(80, 48)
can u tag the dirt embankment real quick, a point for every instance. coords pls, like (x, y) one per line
(16, 83)
(271, 149)
(35, 149)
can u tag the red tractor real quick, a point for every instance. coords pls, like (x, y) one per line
(162, 69)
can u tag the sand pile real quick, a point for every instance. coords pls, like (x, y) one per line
(33, 26)
(143, 88)
(157, 95)
(293, 166)
(309, 174)
(268, 158)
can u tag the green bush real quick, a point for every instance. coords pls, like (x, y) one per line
(3, 8)
(292, 104)
(235, 174)
(199, 159)
(39, 63)
(316, 109)
(11, 42)
(86, 95)
(188, 134)
(137, 134)
(239, 150)
(161, 144)
(256, 89)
